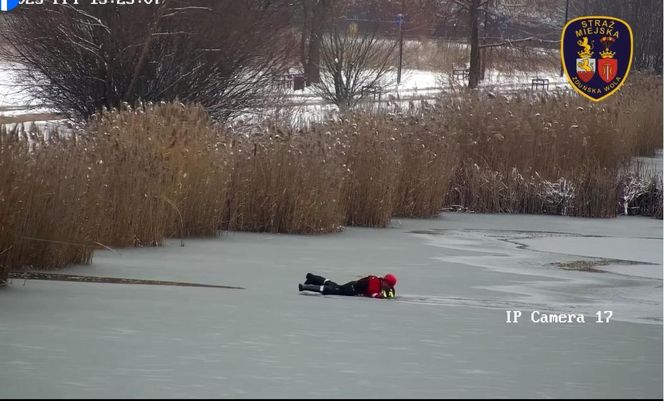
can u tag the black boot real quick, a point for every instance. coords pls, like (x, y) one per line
(310, 287)
(314, 279)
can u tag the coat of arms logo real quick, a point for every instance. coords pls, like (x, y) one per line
(596, 52)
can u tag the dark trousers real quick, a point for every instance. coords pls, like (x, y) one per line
(330, 287)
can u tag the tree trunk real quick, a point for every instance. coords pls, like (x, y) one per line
(474, 76)
(482, 64)
(315, 17)
(312, 68)
(484, 51)
(306, 28)
(154, 27)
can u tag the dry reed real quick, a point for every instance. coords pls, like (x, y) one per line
(43, 195)
(286, 182)
(514, 147)
(166, 173)
(136, 176)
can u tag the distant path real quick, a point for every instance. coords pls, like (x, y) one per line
(417, 94)
(108, 280)
(29, 117)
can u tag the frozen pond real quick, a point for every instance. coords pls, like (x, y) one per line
(445, 335)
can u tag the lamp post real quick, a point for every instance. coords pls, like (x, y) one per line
(399, 21)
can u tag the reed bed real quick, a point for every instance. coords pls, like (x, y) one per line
(164, 171)
(135, 176)
(132, 178)
(283, 181)
(514, 149)
(429, 156)
(360, 170)
(373, 160)
(43, 218)
(638, 109)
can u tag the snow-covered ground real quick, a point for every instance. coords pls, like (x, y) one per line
(416, 83)
(305, 105)
(444, 336)
(13, 95)
(18, 105)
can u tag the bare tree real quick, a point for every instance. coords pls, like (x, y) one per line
(351, 62)
(514, 23)
(220, 53)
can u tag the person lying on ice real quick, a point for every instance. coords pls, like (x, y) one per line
(370, 286)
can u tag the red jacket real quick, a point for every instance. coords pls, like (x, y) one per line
(370, 286)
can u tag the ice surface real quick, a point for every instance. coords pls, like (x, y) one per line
(445, 336)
